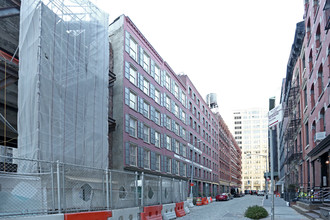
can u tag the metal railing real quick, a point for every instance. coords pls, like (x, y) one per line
(55, 187)
(314, 194)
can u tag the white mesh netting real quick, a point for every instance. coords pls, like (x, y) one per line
(63, 83)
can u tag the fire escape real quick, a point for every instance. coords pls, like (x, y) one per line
(294, 155)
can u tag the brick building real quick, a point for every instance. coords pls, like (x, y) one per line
(305, 140)
(164, 127)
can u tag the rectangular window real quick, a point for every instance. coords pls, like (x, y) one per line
(168, 143)
(307, 133)
(167, 81)
(168, 103)
(157, 117)
(133, 49)
(145, 86)
(157, 162)
(176, 128)
(157, 139)
(132, 100)
(146, 134)
(157, 74)
(183, 99)
(176, 91)
(133, 127)
(133, 155)
(183, 135)
(168, 123)
(184, 151)
(132, 75)
(146, 109)
(176, 110)
(157, 96)
(146, 62)
(146, 158)
(177, 167)
(184, 117)
(169, 164)
(177, 147)
(184, 169)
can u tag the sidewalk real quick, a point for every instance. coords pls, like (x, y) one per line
(282, 211)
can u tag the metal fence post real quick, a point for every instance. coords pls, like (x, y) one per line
(136, 190)
(142, 190)
(161, 190)
(58, 186)
(52, 179)
(173, 190)
(107, 187)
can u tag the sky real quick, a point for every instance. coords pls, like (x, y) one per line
(236, 49)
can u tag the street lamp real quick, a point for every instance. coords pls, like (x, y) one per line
(192, 169)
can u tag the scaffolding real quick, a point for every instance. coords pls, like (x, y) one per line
(63, 84)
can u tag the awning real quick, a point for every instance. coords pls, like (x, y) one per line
(281, 181)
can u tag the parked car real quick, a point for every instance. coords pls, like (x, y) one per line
(260, 193)
(253, 192)
(222, 197)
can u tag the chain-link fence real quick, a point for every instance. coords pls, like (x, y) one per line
(56, 187)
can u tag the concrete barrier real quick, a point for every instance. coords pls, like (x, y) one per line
(186, 207)
(168, 211)
(128, 213)
(37, 217)
(190, 202)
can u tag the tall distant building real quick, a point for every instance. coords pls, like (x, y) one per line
(250, 132)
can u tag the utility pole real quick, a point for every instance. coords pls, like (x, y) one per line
(272, 172)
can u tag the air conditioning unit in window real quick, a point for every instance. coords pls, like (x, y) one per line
(319, 136)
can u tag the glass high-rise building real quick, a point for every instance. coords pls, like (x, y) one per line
(250, 130)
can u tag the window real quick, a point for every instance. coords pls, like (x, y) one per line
(177, 167)
(168, 123)
(146, 134)
(176, 128)
(176, 110)
(133, 49)
(167, 81)
(318, 39)
(310, 61)
(132, 100)
(305, 96)
(157, 74)
(157, 139)
(146, 108)
(157, 162)
(184, 150)
(157, 117)
(169, 163)
(168, 142)
(322, 121)
(146, 159)
(132, 155)
(307, 133)
(133, 127)
(320, 80)
(312, 97)
(157, 96)
(146, 62)
(183, 98)
(177, 147)
(183, 135)
(168, 103)
(145, 86)
(184, 172)
(132, 75)
(183, 116)
(176, 91)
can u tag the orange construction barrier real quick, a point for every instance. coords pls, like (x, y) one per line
(101, 215)
(152, 213)
(205, 201)
(179, 209)
(211, 199)
(199, 201)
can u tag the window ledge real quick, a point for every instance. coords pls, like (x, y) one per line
(321, 95)
(307, 146)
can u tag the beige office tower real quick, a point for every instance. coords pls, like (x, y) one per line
(251, 133)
